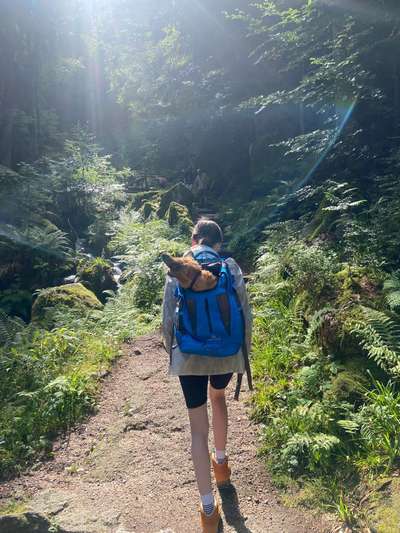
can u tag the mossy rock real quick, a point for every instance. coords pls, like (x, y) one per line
(148, 209)
(360, 285)
(72, 295)
(349, 383)
(139, 198)
(97, 275)
(179, 194)
(178, 215)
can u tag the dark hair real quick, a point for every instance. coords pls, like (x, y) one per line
(207, 232)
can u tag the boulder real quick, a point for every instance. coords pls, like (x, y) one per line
(178, 215)
(72, 295)
(349, 383)
(148, 209)
(97, 275)
(138, 199)
(180, 194)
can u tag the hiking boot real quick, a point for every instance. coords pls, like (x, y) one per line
(210, 523)
(222, 471)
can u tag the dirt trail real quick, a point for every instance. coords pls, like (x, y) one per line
(128, 468)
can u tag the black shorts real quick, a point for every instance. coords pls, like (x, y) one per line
(195, 387)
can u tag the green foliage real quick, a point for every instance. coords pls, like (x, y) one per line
(142, 243)
(380, 337)
(326, 412)
(391, 288)
(48, 382)
(49, 378)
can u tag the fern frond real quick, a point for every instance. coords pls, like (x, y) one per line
(315, 325)
(391, 288)
(9, 328)
(380, 336)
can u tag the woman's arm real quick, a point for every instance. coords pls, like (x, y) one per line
(241, 290)
(168, 312)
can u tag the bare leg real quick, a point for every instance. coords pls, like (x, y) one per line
(201, 460)
(219, 417)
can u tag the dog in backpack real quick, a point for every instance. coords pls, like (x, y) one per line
(189, 273)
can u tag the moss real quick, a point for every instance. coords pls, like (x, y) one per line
(74, 295)
(13, 507)
(359, 284)
(178, 215)
(139, 198)
(180, 194)
(385, 516)
(148, 209)
(97, 276)
(347, 386)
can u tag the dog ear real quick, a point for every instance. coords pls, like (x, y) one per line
(170, 262)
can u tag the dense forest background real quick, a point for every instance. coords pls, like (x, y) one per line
(290, 111)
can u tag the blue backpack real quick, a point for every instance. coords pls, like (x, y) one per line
(210, 322)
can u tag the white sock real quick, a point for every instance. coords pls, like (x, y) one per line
(208, 503)
(220, 456)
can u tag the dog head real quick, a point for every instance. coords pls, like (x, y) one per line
(185, 270)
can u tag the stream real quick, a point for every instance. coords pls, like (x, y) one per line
(82, 249)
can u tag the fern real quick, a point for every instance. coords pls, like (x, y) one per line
(391, 289)
(315, 326)
(380, 336)
(314, 449)
(9, 328)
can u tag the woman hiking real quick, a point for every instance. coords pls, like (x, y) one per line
(195, 371)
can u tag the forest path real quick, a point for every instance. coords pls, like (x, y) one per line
(128, 467)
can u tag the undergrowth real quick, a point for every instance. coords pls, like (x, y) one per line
(326, 357)
(49, 379)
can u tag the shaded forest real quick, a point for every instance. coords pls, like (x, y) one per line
(123, 122)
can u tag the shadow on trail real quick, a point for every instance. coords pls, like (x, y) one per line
(230, 506)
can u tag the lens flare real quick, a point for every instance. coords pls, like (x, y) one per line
(343, 112)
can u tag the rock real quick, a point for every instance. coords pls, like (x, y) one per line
(112, 520)
(138, 425)
(137, 352)
(179, 215)
(28, 522)
(138, 199)
(148, 209)
(97, 275)
(349, 383)
(73, 295)
(180, 194)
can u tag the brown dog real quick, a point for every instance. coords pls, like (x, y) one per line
(189, 273)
